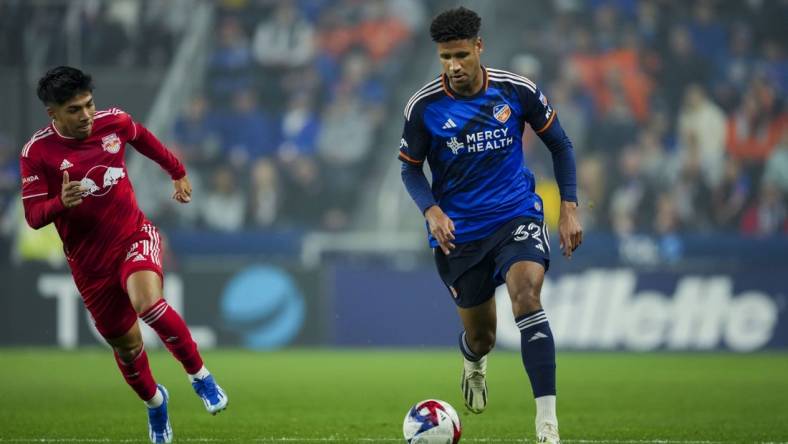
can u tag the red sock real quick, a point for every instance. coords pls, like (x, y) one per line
(137, 374)
(172, 330)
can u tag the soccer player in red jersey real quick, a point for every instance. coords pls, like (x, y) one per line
(74, 174)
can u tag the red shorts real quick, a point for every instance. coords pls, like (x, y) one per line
(106, 298)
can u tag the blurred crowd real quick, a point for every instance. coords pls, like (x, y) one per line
(296, 91)
(677, 110)
(120, 33)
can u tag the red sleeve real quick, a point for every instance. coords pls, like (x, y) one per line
(147, 144)
(39, 209)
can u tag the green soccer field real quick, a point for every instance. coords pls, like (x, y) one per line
(362, 396)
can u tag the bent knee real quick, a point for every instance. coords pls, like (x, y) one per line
(482, 343)
(143, 300)
(526, 301)
(144, 289)
(129, 351)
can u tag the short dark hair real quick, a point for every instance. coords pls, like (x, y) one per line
(455, 24)
(61, 84)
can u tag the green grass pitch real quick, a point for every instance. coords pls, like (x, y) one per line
(311, 396)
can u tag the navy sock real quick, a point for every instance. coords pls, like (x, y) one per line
(538, 352)
(466, 349)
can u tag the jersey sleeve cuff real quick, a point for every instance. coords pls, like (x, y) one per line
(570, 198)
(178, 174)
(57, 204)
(546, 125)
(405, 158)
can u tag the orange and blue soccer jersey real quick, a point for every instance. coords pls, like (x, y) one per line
(473, 145)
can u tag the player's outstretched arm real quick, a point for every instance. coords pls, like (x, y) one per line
(570, 231)
(151, 147)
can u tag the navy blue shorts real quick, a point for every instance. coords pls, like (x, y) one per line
(474, 269)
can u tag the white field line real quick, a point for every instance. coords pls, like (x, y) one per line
(368, 440)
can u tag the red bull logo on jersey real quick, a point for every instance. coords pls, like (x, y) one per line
(502, 113)
(111, 143)
(109, 177)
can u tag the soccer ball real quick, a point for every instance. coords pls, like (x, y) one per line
(432, 422)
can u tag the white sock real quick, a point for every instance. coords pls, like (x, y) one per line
(157, 400)
(545, 410)
(202, 373)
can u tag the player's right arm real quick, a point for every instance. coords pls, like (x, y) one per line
(40, 209)
(414, 145)
(543, 119)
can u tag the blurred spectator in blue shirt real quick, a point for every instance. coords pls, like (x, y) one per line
(707, 31)
(196, 133)
(230, 66)
(9, 173)
(247, 133)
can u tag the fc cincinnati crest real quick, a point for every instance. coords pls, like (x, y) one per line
(502, 112)
(111, 143)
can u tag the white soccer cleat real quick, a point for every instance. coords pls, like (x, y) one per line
(474, 384)
(547, 432)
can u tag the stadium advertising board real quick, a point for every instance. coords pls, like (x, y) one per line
(596, 309)
(386, 307)
(258, 306)
(263, 307)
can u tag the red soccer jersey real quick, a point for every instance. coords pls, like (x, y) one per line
(95, 233)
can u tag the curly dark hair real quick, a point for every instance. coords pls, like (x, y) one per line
(455, 24)
(61, 84)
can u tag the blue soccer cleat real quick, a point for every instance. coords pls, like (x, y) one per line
(212, 395)
(159, 428)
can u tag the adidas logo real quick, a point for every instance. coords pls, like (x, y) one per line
(449, 124)
(65, 164)
(537, 335)
(139, 258)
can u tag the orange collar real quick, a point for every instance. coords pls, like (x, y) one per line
(448, 91)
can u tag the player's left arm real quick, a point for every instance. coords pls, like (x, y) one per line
(151, 147)
(544, 120)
